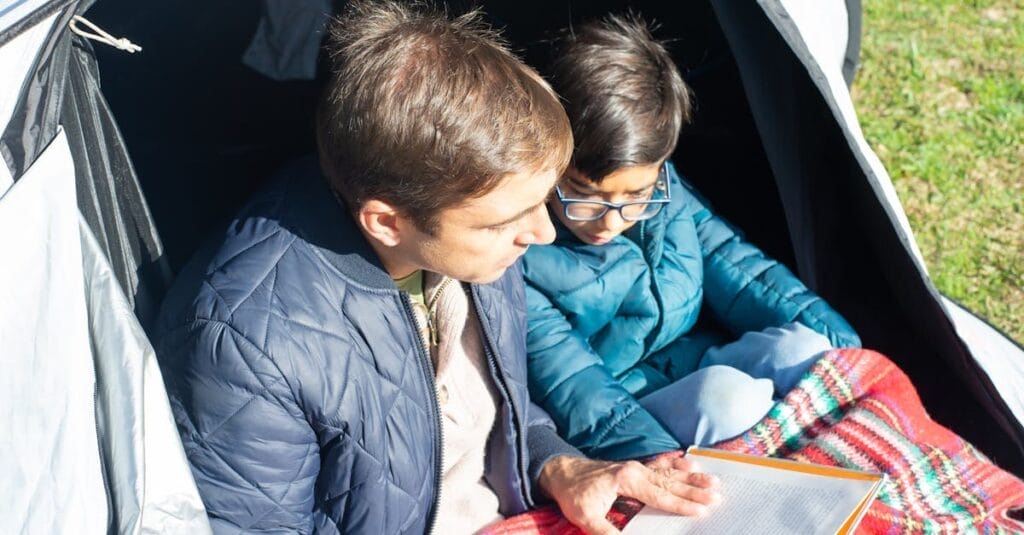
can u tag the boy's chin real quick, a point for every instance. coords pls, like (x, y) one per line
(593, 239)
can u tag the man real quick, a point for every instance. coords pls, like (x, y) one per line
(351, 356)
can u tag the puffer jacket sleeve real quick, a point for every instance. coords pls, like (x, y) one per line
(589, 407)
(748, 291)
(254, 456)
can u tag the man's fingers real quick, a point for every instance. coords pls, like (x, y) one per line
(682, 472)
(679, 492)
(698, 479)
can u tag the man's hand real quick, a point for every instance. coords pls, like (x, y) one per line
(585, 489)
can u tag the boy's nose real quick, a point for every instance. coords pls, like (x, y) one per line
(612, 221)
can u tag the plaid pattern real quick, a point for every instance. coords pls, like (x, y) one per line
(856, 409)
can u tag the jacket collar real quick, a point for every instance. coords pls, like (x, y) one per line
(313, 213)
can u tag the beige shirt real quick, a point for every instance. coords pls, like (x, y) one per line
(468, 402)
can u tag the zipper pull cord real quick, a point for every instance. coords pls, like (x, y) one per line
(120, 43)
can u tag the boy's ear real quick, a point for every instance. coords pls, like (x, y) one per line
(381, 221)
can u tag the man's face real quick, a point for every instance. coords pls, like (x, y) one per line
(479, 239)
(635, 183)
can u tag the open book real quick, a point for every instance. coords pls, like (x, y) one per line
(769, 496)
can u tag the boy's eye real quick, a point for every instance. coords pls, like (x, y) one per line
(577, 194)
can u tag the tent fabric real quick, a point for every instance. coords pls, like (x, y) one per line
(62, 88)
(835, 190)
(89, 444)
(18, 16)
(287, 40)
(109, 195)
(35, 120)
(150, 485)
(17, 57)
(1006, 400)
(16, 60)
(53, 479)
(999, 357)
(851, 61)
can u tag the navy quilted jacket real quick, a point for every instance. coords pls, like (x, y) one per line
(611, 323)
(304, 399)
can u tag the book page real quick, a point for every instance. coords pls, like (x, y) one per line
(764, 500)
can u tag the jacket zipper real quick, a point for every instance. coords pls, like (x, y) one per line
(499, 379)
(428, 371)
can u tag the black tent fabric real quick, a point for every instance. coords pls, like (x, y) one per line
(204, 131)
(109, 195)
(64, 92)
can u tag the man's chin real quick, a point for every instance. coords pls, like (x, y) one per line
(484, 278)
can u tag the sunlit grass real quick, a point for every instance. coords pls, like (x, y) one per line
(940, 95)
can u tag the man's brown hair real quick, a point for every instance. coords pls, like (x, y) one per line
(624, 95)
(424, 111)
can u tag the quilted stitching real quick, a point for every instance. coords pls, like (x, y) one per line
(299, 392)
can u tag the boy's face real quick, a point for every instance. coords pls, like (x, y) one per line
(635, 183)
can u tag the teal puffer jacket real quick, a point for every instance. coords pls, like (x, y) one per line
(611, 323)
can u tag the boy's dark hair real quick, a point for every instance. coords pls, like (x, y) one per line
(424, 111)
(624, 95)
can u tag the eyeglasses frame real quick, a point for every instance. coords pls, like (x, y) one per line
(661, 181)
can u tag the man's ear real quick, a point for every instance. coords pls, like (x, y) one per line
(381, 221)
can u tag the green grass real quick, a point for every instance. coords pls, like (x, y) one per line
(940, 96)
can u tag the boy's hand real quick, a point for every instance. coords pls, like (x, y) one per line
(585, 489)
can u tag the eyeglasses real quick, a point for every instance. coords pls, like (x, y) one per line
(592, 210)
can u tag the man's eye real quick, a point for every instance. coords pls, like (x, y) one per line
(499, 228)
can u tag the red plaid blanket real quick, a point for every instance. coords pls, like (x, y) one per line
(856, 409)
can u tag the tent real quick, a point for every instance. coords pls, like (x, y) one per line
(88, 443)
(224, 92)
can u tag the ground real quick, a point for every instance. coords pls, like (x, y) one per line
(940, 95)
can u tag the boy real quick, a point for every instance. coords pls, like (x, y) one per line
(613, 353)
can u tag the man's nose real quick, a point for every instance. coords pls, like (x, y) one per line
(541, 230)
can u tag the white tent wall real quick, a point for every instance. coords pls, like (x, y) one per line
(1000, 358)
(87, 443)
(49, 454)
